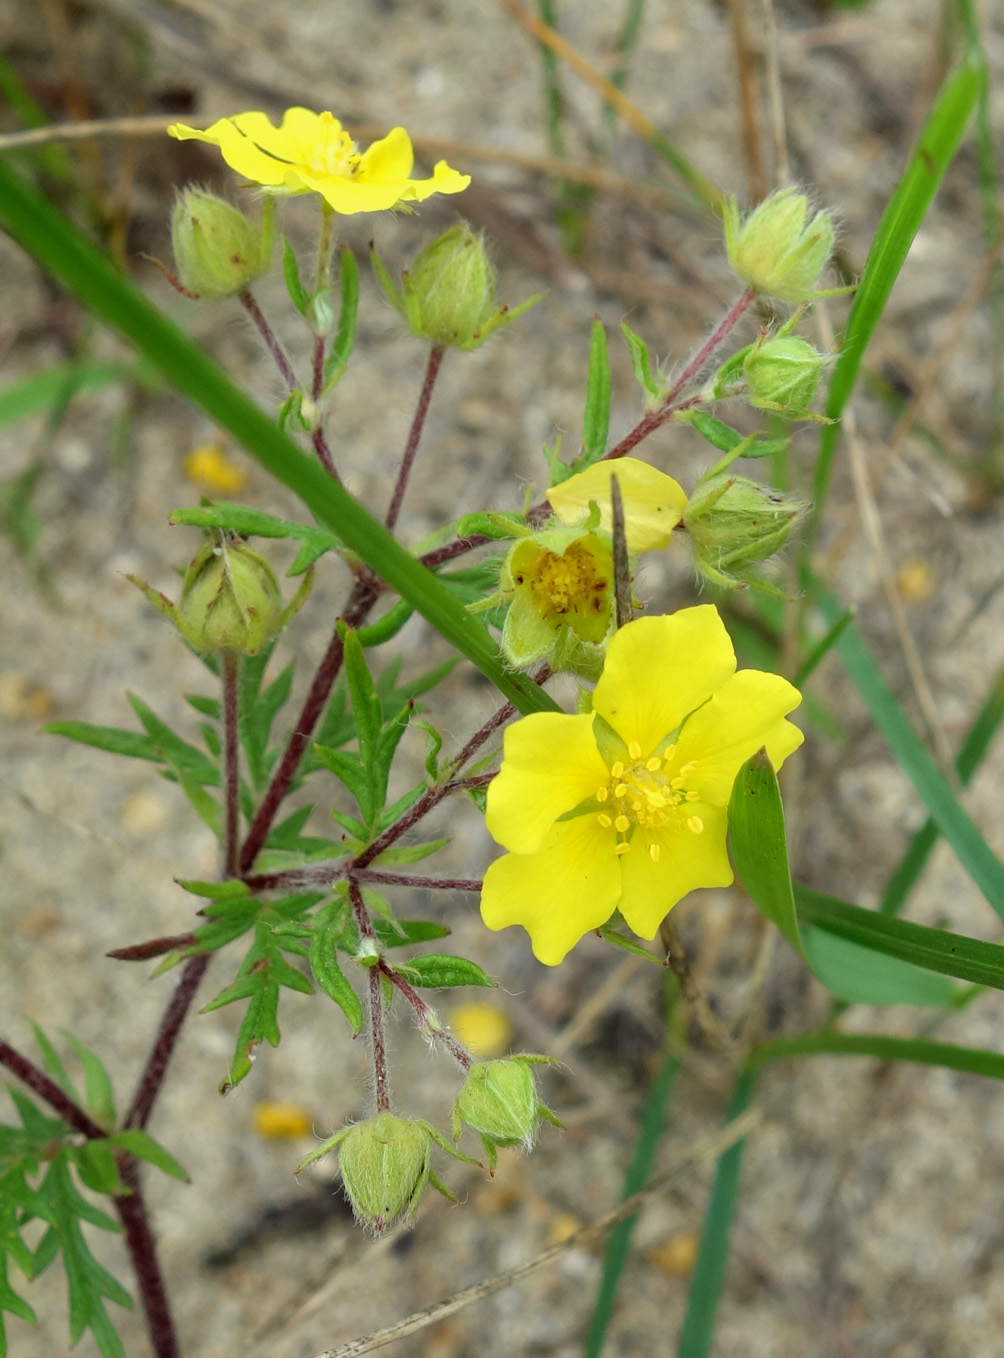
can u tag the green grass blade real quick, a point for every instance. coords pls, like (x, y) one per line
(935, 149)
(759, 844)
(619, 1241)
(968, 959)
(83, 270)
(970, 756)
(53, 385)
(944, 807)
(972, 1060)
(709, 1274)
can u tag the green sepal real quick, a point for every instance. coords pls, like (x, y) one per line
(297, 412)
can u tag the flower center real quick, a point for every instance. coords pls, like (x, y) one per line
(334, 152)
(568, 583)
(645, 795)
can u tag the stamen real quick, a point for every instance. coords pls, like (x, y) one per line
(624, 825)
(620, 849)
(634, 750)
(604, 820)
(617, 769)
(602, 793)
(654, 852)
(695, 825)
(654, 764)
(693, 795)
(620, 790)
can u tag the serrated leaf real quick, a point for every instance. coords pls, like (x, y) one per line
(144, 1147)
(328, 974)
(99, 1096)
(179, 754)
(52, 1062)
(131, 744)
(439, 971)
(349, 770)
(760, 847)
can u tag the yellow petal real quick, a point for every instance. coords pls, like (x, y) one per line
(653, 502)
(387, 161)
(658, 670)
(347, 196)
(686, 861)
(210, 468)
(242, 153)
(550, 764)
(302, 134)
(571, 886)
(444, 180)
(747, 712)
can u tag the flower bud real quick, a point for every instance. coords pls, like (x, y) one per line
(217, 250)
(385, 1167)
(561, 585)
(783, 374)
(448, 295)
(499, 1101)
(734, 525)
(777, 250)
(230, 599)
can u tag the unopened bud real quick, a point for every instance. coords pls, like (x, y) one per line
(385, 1167)
(778, 250)
(734, 525)
(499, 1101)
(217, 250)
(448, 294)
(783, 374)
(230, 599)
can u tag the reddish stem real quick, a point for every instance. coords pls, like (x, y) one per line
(428, 1019)
(132, 1213)
(272, 344)
(318, 380)
(417, 424)
(410, 879)
(364, 594)
(166, 1040)
(230, 671)
(47, 1089)
(380, 1082)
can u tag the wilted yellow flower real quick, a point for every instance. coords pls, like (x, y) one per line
(212, 471)
(626, 808)
(312, 153)
(653, 502)
(281, 1121)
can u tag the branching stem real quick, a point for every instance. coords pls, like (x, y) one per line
(381, 1085)
(230, 673)
(415, 433)
(428, 1019)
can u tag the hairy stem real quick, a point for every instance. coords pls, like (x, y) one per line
(230, 673)
(279, 355)
(132, 1213)
(47, 1089)
(381, 1085)
(362, 598)
(428, 1019)
(417, 424)
(167, 1037)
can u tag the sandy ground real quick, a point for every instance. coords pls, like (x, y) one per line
(869, 1225)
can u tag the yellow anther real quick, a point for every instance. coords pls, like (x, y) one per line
(634, 750)
(602, 793)
(621, 849)
(693, 795)
(688, 769)
(654, 764)
(620, 790)
(668, 753)
(677, 782)
(623, 824)
(654, 851)
(604, 820)
(616, 769)
(695, 825)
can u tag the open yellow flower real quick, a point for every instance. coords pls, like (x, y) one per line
(625, 808)
(312, 153)
(653, 502)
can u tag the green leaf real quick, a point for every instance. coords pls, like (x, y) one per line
(619, 940)
(291, 272)
(596, 417)
(387, 627)
(968, 959)
(859, 975)
(132, 744)
(705, 1292)
(182, 757)
(725, 438)
(971, 1060)
(230, 890)
(98, 1168)
(99, 1096)
(57, 385)
(438, 971)
(759, 844)
(328, 974)
(647, 377)
(77, 264)
(405, 931)
(345, 336)
(144, 1147)
(936, 147)
(248, 523)
(52, 1062)
(944, 807)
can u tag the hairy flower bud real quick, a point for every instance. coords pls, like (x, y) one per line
(777, 249)
(217, 250)
(448, 294)
(734, 525)
(230, 599)
(499, 1101)
(783, 374)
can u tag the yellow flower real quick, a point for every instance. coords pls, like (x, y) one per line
(625, 808)
(312, 153)
(211, 470)
(653, 502)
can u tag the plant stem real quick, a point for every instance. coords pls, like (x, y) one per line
(230, 671)
(417, 424)
(322, 274)
(272, 344)
(167, 1037)
(139, 1237)
(47, 1089)
(422, 883)
(380, 1083)
(428, 1019)
(362, 598)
